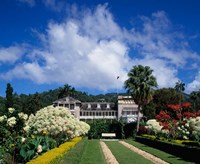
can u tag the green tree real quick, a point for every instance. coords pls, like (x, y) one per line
(180, 87)
(140, 85)
(67, 90)
(9, 96)
(195, 98)
(32, 104)
(165, 96)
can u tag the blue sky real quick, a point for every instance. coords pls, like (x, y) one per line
(45, 44)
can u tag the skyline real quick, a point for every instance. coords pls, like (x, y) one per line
(46, 44)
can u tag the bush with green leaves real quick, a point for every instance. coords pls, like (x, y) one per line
(33, 146)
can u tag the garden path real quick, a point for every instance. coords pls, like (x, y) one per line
(146, 155)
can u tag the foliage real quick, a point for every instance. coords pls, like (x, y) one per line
(195, 99)
(194, 123)
(56, 152)
(9, 96)
(158, 153)
(32, 104)
(149, 110)
(164, 96)
(122, 130)
(177, 122)
(140, 84)
(57, 122)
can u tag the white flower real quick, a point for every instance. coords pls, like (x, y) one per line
(23, 116)
(57, 120)
(39, 149)
(26, 128)
(185, 137)
(11, 110)
(3, 118)
(23, 139)
(187, 125)
(11, 121)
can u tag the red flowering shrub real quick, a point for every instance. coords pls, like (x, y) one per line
(174, 107)
(175, 121)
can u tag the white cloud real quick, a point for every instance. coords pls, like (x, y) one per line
(78, 56)
(159, 40)
(194, 85)
(165, 74)
(89, 49)
(10, 54)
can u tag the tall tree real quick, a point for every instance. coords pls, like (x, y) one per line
(67, 90)
(180, 87)
(140, 85)
(9, 96)
(195, 98)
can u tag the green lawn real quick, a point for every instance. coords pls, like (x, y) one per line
(125, 155)
(160, 154)
(85, 152)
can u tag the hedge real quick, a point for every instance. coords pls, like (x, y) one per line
(188, 153)
(52, 154)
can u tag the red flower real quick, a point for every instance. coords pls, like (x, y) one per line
(178, 116)
(189, 114)
(166, 117)
(174, 107)
(186, 105)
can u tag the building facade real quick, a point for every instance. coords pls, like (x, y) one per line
(125, 109)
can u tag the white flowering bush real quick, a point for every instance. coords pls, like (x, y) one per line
(11, 121)
(194, 123)
(56, 121)
(154, 127)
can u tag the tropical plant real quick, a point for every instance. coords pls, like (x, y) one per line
(140, 85)
(180, 87)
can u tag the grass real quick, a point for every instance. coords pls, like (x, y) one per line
(160, 154)
(125, 155)
(85, 152)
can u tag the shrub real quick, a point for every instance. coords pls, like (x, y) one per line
(55, 153)
(57, 122)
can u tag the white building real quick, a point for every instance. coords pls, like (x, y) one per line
(125, 109)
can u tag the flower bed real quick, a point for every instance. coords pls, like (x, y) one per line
(47, 157)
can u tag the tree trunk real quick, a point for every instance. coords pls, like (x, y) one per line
(138, 119)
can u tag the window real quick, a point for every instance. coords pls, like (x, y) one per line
(71, 106)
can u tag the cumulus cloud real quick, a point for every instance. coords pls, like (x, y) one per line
(10, 54)
(195, 84)
(78, 56)
(158, 39)
(89, 49)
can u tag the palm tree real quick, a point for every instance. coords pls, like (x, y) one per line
(65, 91)
(180, 87)
(140, 84)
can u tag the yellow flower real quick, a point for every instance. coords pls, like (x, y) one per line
(32, 136)
(44, 132)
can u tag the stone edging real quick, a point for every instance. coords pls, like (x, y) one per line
(110, 158)
(146, 155)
